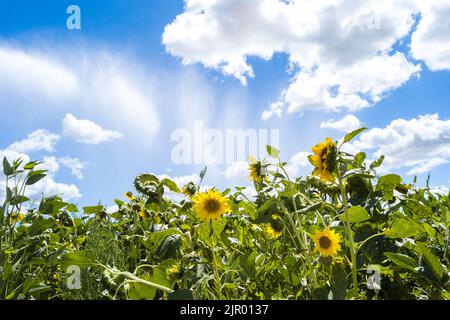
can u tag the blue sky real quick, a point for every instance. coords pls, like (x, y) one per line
(112, 94)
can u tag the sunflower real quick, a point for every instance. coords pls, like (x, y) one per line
(129, 195)
(272, 232)
(327, 242)
(324, 159)
(210, 205)
(258, 170)
(275, 228)
(15, 218)
(143, 214)
(189, 190)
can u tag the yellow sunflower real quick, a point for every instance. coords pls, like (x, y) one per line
(258, 170)
(324, 159)
(275, 227)
(210, 205)
(327, 242)
(272, 232)
(129, 195)
(189, 190)
(17, 218)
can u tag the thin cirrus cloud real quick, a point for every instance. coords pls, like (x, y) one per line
(94, 82)
(86, 131)
(342, 53)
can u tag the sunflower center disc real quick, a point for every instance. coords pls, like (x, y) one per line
(212, 205)
(325, 242)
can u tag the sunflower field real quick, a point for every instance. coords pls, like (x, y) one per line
(342, 232)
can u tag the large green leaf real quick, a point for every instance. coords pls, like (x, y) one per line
(171, 185)
(273, 152)
(339, 284)
(84, 258)
(387, 184)
(402, 260)
(433, 261)
(402, 228)
(7, 169)
(356, 214)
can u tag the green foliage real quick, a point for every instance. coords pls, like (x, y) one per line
(153, 247)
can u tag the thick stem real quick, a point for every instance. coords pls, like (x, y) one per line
(349, 234)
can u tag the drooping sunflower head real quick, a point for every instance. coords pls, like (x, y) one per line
(258, 170)
(17, 218)
(327, 242)
(325, 159)
(275, 227)
(210, 205)
(129, 196)
(189, 190)
(144, 214)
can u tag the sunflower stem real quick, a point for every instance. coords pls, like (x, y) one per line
(349, 232)
(302, 239)
(214, 264)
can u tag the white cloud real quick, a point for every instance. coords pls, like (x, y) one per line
(86, 131)
(51, 164)
(341, 52)
(35, 75)
(74, 164)
(36, 141)
(39, 140)
(237, 169)
(275, 108)
(48, 186)
(419, 144)
(346, 124)
(298, 161)
(431, 41)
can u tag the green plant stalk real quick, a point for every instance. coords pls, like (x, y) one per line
(302, 240)
(349, 233)
(216, 273)
(145, 282)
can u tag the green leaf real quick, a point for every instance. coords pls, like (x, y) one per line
(402, 260)
(359, 159)
(387, 184)
(7, 169)
(84, 258)
(273, 152)
(356, 214)
(171, 185)
(169, 247)
(203, 173)
(339, 284)
(204, 231)
(139, 291)
(93, 209)
(72, 208)
(34, 177)
(402, 228)
(350, 136)
(18, 200)
(377, 163)
(433, 261)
